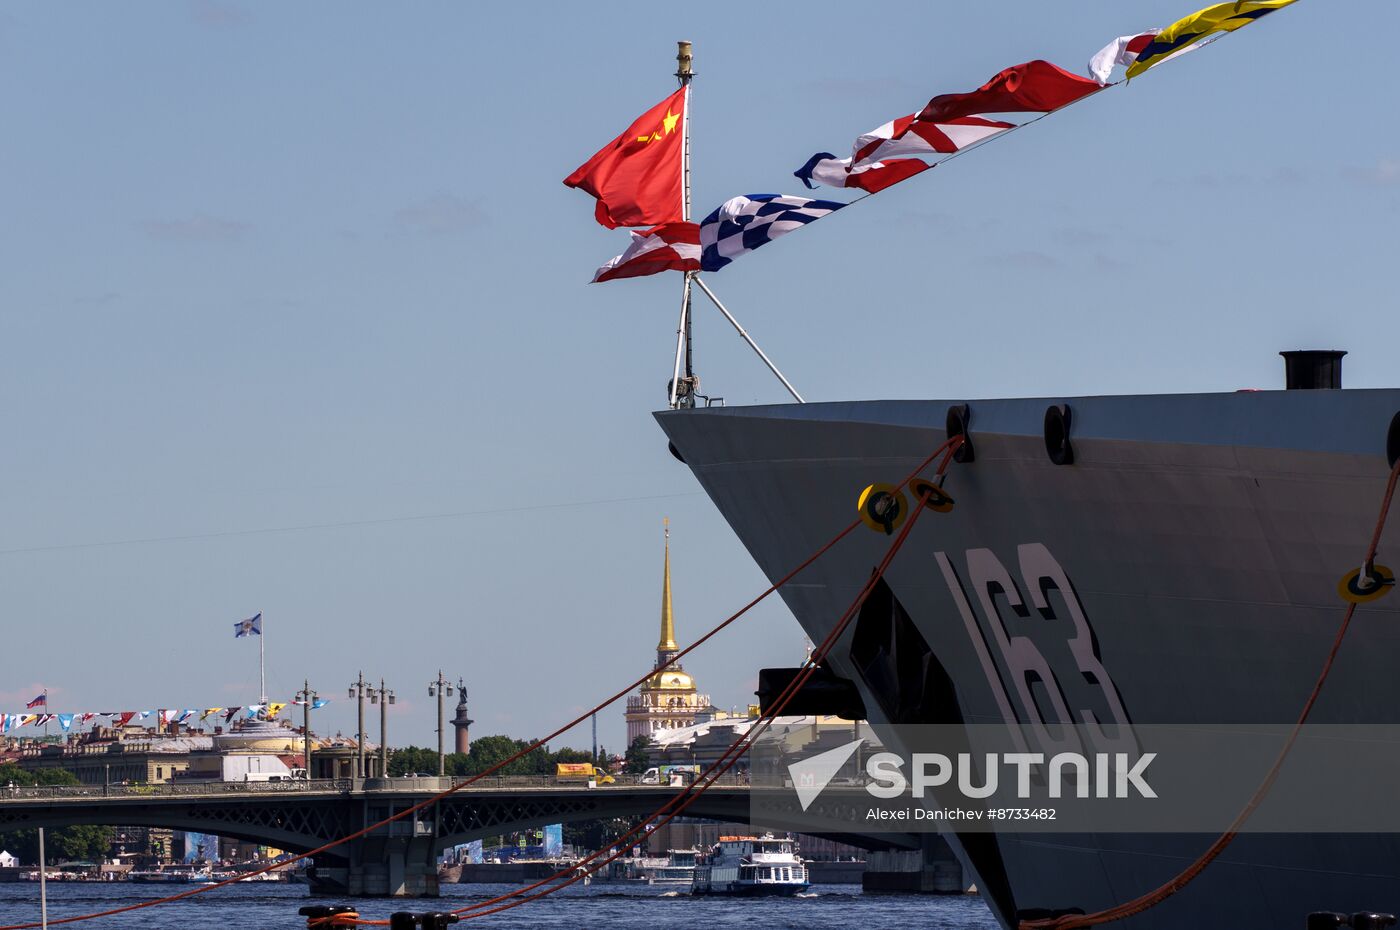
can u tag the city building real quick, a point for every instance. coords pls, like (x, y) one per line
(668, 699)
(706, 743)
(251, 750)
(112, 755)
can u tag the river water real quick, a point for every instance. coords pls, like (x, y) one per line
(269, 906)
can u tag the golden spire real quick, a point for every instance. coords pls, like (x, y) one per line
(667, 643)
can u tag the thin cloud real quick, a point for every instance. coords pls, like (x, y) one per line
(1104, 262)
(18, 697)
(1028, 260)
(198, 228)
(866, 89)
(1082, 236)
(946, 223)
(219, 15)
(1283, 176)
(1383, 173)
(926, 218)
(440, 215)
(99, 300)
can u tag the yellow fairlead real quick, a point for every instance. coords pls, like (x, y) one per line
(1364, 585)
(938, 500)
(882, 508)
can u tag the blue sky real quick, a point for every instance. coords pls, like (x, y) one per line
(280, 276)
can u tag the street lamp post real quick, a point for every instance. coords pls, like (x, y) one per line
(306, 696)
(358, 690)
(383, 697)
(438, 689)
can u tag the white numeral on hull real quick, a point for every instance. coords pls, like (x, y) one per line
(1046, 708)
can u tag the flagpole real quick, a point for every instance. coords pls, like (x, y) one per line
(43, 882)
(684, 73)
(682, 326)
(262, 664)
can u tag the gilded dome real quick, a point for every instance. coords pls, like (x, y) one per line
(671, 679)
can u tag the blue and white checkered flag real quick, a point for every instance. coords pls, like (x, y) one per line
(742, 224)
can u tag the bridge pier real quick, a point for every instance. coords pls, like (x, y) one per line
(930, 869)
(393, 868)
(398, 860)
(376, 868)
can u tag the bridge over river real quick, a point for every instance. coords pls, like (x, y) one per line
(398, 859)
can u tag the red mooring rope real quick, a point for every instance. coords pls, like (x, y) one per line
(948, 447)
(1163, 892)
(677, 804)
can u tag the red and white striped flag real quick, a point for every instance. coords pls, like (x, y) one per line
(891, 153)
(669, 247)
(949, 123)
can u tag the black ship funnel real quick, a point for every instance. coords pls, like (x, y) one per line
(1313, 369)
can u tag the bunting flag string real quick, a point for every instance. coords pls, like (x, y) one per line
(742, 224)
(882, 158)
(669, 247)
(947, 126)
(1190, 31)
(166, 716)
(1124, 50)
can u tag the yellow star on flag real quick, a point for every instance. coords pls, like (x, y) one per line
(668, 126)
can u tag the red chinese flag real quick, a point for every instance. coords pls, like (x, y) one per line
(637, 176)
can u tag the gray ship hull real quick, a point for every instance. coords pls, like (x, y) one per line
(1186, 564)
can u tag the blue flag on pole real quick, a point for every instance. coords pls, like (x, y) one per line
(250, 627)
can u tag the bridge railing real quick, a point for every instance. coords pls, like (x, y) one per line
(176, 789)
(505, 782)
(325, 786)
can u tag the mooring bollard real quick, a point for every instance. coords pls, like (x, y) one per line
(320, 916)
(1361, 920)
(432, 920)
(1326, 920)
(1371, 920)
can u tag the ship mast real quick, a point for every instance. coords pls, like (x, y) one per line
(683, 388)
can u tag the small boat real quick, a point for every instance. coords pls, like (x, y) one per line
(751, 866)
(677, 869)
(159, 877)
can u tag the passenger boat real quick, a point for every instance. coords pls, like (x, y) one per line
(751, 866)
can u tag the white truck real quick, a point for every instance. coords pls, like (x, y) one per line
(674, 775)
(289, 775)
